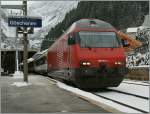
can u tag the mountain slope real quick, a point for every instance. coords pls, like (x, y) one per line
(52, 12)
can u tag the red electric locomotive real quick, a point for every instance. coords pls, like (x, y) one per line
(89, 54)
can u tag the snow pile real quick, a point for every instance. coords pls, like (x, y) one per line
(21, 84)
(94, 98)
(18, 74)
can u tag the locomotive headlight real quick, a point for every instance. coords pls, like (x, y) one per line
(118, 63)
(85, 63)
(88, 63)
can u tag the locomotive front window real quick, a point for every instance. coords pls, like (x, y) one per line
(98, 39)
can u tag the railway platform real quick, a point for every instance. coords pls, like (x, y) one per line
(41, 95)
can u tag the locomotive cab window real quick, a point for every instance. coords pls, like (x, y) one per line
(98, 39)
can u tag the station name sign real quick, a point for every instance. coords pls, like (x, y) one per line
(24, 21)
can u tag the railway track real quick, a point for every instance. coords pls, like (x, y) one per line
(143, 97)
(146, 82)
(126, 105)
(135, 83)
(127, 102)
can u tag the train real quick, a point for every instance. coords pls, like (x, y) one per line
(40, 62)
(89, 54)
(37, 63)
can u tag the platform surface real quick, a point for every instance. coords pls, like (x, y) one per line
(42, 96)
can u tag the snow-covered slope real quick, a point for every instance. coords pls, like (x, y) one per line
(4, 24)
(138, 59)
(51, 12)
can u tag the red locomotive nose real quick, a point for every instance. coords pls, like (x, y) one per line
(103, 63)
(90, 53)
(103, 67)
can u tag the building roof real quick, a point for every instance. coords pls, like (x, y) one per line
(132, 29)
(96, 23)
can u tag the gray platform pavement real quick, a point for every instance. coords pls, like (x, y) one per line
(42, 96)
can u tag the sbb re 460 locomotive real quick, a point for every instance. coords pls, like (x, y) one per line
(89, 54)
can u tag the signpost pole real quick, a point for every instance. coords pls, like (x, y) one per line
(17, 61)
(23, 23)
(25, 56)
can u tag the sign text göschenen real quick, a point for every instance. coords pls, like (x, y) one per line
(24, 22)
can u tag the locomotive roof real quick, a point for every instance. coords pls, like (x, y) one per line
(95, 23)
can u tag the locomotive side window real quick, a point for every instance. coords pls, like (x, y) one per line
(71, 39)
(98, 39)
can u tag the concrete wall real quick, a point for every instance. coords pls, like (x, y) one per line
(138, 73)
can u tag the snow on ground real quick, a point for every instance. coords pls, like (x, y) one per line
(127, 99)
(18, 74)
(134, 89)
(141, 66)
(21, 84)
(90, 96)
